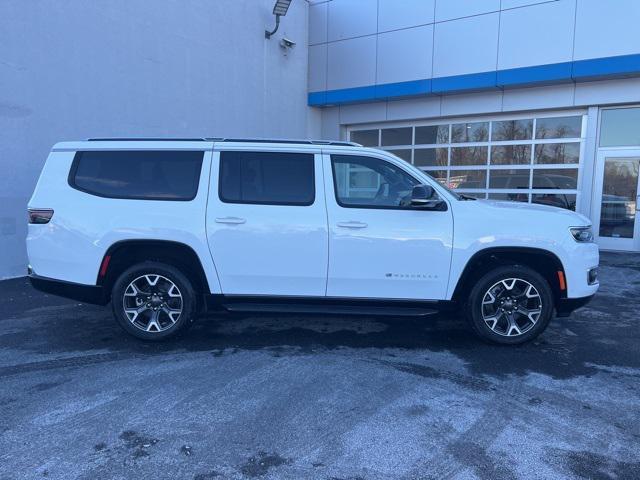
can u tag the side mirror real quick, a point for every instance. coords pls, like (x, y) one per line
(423, 196)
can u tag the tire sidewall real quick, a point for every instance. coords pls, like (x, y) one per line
(474, 304)
(154, 268)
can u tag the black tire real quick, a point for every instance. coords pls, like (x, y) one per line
(475, 307)
(170, 302)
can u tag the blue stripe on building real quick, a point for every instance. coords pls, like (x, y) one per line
(577, 71)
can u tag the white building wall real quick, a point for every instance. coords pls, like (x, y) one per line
(536, 35)
(75, 69)
(468, 36)
(466, 45)
(606, 28)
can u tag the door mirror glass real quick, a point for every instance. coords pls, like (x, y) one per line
(424, 196)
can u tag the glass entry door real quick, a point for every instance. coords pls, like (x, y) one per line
(617, 200)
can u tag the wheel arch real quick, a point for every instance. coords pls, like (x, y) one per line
(125, 253)
(542, 261)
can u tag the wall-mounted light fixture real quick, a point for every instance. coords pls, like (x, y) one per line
(279, 10)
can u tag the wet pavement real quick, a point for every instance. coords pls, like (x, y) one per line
(320, 397)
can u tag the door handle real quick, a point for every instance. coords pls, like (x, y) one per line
(231, 220)
(352, 224)
(638, 203)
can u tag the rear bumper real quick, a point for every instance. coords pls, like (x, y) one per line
(76, 291)
(566, 306)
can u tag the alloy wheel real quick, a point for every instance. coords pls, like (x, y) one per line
(511, 307)
(152, 303)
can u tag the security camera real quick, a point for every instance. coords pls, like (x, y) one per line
(286, 43)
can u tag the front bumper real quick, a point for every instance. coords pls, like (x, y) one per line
(565, 306)
(578, 260)
(76, 291)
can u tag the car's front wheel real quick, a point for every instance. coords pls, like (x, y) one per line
(510, 305)
(153, 301)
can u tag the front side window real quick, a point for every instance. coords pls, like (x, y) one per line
(368, 182)
(138, 175)
(268, 178)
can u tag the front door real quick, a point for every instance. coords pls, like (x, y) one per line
(617, 200)
(267, 223)
(380, 247)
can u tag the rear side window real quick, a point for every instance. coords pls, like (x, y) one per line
(269, 178)
(140, 175)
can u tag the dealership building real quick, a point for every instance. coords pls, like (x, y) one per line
(521, 100)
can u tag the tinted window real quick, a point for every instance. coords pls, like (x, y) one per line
(564, 178)
(432, 134)
(559, 127)
(271, 178)
(562, 200)
(371, 182)
(509, 179)
(142, 175)
(366, 138)
(620, 127)
(397, 136)
(510, 154)
(558, 153)
(468, 179)
(403, 154)
(512, 130)
(469, 155)
(470, 132)
(430, 157)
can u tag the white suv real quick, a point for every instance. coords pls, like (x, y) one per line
(168, 229)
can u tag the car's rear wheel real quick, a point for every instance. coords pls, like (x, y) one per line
(510, 305)
(153, 301)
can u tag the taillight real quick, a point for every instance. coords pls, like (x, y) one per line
(40, 215)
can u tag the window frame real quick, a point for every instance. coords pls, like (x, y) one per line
(371, 207)
(75, 164)
(275, 203)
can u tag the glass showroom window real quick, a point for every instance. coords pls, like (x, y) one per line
(531, 159)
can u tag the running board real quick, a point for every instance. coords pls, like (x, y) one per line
(300, 308)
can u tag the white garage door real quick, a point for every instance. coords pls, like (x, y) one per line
(534, 158)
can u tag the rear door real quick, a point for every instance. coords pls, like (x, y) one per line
(379, 246)
(267, 222)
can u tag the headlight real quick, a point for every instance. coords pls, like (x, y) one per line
(582, 234)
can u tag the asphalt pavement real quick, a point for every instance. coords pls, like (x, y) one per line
(320, 397)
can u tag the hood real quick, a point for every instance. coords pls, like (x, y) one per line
(574, 219)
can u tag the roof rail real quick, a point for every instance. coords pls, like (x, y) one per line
(284, 140)
(224, 139)
(143, 139)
